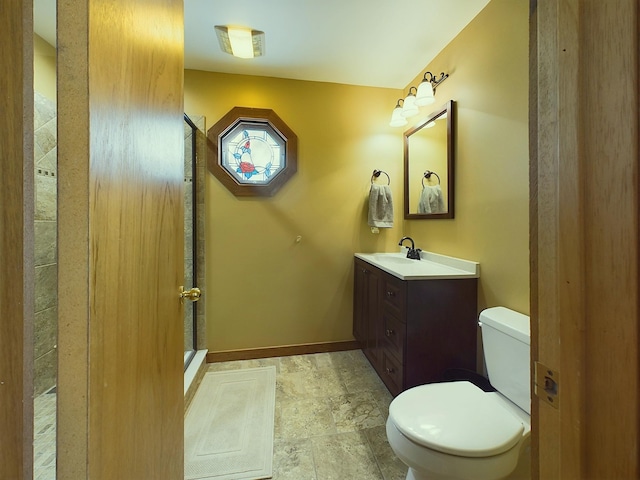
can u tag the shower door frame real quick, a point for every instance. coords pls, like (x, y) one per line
(194, 240)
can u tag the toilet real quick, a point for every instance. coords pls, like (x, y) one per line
(456, 430)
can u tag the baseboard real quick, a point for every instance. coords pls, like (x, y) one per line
(304, 349)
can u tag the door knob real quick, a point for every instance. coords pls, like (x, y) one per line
(193, 294)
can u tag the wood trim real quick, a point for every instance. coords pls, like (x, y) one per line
(268, 352)
(73, 224)
(16, 240)
(533, 221)
(609, 153)
(555, 193)
(584, 236)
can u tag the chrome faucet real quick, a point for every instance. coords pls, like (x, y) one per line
(413, 253)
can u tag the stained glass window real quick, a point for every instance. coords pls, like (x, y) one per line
(253, 154)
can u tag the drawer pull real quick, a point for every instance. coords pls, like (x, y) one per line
(390, 370)
(389, 332)
(391, 294)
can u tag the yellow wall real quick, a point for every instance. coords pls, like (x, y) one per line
(488, 67)
(44, 68)
(263, 288)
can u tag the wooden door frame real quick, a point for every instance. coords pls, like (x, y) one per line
(73, 227)
(16, 240)
(584, 236)
(578, 439)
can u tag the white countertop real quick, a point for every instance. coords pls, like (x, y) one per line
(431, 266)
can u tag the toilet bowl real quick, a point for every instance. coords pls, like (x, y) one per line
(455, 430)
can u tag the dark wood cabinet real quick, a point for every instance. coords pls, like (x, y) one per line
(412, 331)
(366, 308)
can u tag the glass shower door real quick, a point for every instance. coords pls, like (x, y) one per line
(190, 238)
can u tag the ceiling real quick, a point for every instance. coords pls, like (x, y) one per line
(380, 43)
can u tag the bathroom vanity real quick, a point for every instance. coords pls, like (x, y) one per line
(415, 318)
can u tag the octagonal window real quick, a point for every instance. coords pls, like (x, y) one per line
(252, 151)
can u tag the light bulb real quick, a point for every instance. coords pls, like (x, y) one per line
(424, 96)
(241, 42)
(409, 108)
(397, 120)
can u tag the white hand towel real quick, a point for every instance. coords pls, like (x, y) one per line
(431, 200)
(380, 206)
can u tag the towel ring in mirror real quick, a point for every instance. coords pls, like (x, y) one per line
(427, 175)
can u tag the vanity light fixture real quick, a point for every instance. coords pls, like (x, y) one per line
(409, 108)
(240, 41)
(424, 95)
(397, 120)
(427, 88)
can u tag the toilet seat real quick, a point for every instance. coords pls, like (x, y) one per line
(456, 418)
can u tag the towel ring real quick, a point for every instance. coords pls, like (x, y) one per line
(427, 175)
(376, 174)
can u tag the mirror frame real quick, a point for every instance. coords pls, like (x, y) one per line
(448, 109)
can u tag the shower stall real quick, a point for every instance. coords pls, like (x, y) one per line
(46, 286)
(194, 165)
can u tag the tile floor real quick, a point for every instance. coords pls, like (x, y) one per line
(331, 410)
(44, 437)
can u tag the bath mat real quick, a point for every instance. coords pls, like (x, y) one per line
(228, 431)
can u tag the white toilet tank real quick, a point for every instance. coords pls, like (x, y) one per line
(506, 342)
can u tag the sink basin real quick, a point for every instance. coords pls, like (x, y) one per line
(393, 259)
(431, 266)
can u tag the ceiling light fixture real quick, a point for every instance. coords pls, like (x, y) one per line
(424, 95)
(240, 41)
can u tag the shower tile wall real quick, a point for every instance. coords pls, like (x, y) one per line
(46, 260)
(201, 149)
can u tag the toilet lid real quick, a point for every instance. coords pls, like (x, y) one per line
(456, 418)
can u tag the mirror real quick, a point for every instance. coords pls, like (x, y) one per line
(428, 166)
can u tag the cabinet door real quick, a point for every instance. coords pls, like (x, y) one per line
(360, 304)
(391, 372)
(441, 329)
(374, 324)
(366, 308)
(393, 335)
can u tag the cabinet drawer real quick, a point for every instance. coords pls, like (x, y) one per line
(395, 294)
(393, 334)
(391, 373)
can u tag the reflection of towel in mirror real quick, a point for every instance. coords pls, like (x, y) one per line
(431, 200)
(380, 206)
